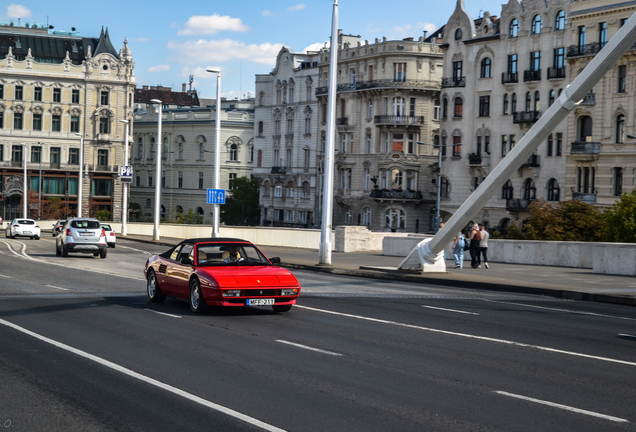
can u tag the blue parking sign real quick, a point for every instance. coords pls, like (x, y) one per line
(216, 196)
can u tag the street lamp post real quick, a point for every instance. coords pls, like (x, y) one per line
(217, 149)
(80, 179)
(124, 204)
(155, 232)
(24, 151)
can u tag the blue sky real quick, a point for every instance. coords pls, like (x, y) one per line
(172, 40)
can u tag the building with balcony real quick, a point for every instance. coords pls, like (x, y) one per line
(55, 86)
(601, 163)
(512, 68)
(187, 153)
(388, 95)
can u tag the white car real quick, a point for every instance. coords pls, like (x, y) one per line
(23, 228)
(111, 238)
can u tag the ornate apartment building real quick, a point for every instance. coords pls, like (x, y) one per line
(387, 102)
(55, 86)
(500, 75)
(188, 137)
(601, 163)
(285, 132)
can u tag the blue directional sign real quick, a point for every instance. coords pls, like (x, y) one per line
(216, 196)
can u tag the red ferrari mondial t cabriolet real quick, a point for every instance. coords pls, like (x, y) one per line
(220, 272)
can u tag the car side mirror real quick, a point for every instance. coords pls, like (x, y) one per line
(275, 260)
(186, 260)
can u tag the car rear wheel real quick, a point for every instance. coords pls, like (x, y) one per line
(282, 308)
(103, 253)
(152, 288)
(64, 251)
(197, 304)
(37, 237)
(58, 252)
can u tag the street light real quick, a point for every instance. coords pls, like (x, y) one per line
(124, 204)
(155, 232)
(217, 155)
(81, 170)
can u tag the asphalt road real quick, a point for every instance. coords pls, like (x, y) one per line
(82, 349)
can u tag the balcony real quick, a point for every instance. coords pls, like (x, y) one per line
(397, 195)
(517, 205)
(589, 198)
(454, 82)
(474, 159)
(379, 84)
(589, 99)
(398, 120)
(584, 50)
(585, 150)
(525, 116)
(279, 170)
(556, 73)
(532, 162)
(508, 77)
(342, 121)
(531, 75)
(103, 138)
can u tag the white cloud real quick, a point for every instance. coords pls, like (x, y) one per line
(409, 30)
(142, 39)
(268, 13)
(212, 24)
(159, 68)
(315, 47)
(298, 7)
(15, 11)
(217, 51)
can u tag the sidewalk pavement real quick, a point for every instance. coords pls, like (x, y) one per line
(560, 282)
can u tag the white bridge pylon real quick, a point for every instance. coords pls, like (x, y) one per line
(427, 256)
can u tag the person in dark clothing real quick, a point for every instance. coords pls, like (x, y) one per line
(475, 238)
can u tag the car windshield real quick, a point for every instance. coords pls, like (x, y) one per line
(85, 224)
(229, 254)
(26, 222)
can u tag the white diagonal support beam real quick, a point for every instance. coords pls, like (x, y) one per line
(427, 256)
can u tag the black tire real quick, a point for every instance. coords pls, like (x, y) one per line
(281, 308)
(113, 246)
(152, 288)
(37, 237)
(103, 253)
(95, 254)
(58, 252)
(64, 251)
(197, 304)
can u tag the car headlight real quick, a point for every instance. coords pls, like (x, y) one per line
(289, 292)
(231, 293)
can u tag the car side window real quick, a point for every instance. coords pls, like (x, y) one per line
(175, 253)
(185, 251)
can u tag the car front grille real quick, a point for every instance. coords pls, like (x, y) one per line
(261, 293)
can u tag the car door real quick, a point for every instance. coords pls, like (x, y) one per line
(179, 274)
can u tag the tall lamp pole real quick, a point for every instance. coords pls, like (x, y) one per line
(217, 149)
(80, 179)
(327, 201)
(155, 232)
(124, 204)
(24, 150)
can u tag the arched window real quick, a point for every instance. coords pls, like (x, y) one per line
(252, 154)
(620, 129)
(348, 217)
(140, 148)
(528, 101)
(445, 108)
(163, 211)
(180, 151)
(395, 218)
(366, 216)
(260, 128)
(290, 190)
(536, 24)
(529, 191)
(505, 223)
(585, 128)
(505, 104)
(233, 152)
(459, 107)
(259, 160)
(278, 190)
(513, 103)
(266, 189)
(152, 148)
(554, 191)
(537, 100)
(552, 97)
(444, 187)
(369, 109)
(398, 106)
(485, 68)
(559, 22)
(306, 189)
(507, 191)
(458, 34)
(514, 28)
(397, 179)
(179, 209)
(368, 143)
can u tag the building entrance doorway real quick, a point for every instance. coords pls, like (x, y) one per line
(13, 208)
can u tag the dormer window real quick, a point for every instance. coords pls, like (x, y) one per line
(458, 34)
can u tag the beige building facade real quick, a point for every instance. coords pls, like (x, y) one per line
(77, 86)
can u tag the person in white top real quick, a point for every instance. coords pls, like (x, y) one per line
(483, 244)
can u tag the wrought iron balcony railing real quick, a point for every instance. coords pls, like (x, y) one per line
(509, 77)
(397, 120)
(556, 73)
(585, 147)
(532, 75)
(589, 198)
(396, 194)
(532, 162)
(525, 116)
(517, 204)
(279, 170)
(454, 82)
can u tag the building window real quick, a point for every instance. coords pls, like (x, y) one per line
(559, 144)
(395, 218)
(56, 123)
(55, 155)
(102, 157)
(150, 182)
(104, 125)
(104, 97)
(17, 120)
(622, 79)
(559, 22)
(458, 34)
(552, 97)
(505, 104)
(18, 93)
(550, 145)
(457, 146)
(1, 120)
(232, 177)
(484, 106)
(620, 129)
(367, 179)
(618, 181)
(75, 96)
(306, 157)
(37, 94)
(554, 192)
(528, 101)
(513, 103)
(535, 61)
(200, 180)
(457, 70)
(514, 28)
(259, 159)
(444, 188)
(602, 34)
(37, 121)
(369, 109)
(459, 107)
(581, 37)
(436, 110)
(36, 154)
(399, 106)
(1, 91)
(73, 156)
(529, 191)
(102, 187)
(306, 190)
(537, 101)
(75, 123)
(445, 108)
(507, 192)
(233, 152)
(512, 64)
(16, 153)
(559, 58)
(278, 190)
(536, 24)
(504, 145)
(57, 95)
(399, 72)
(485, 68)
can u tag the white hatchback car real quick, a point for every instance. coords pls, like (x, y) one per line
(111, 238)
(23, 228)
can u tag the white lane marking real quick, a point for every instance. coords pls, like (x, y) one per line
(5, 276)
(11, 249)
(308, 348)
(449, 310)
(465, 335)
(136, 250)
(627, 335)
(52, 286)
(162, 313)
(564, 407)
(562, 310)
(114, 366)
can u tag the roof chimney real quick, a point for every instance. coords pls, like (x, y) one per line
(183, 87)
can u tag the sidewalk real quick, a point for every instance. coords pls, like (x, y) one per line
(561, 282)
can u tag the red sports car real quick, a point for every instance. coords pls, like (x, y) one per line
(220, 272)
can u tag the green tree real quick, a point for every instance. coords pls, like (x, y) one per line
(189, 218)
(242, 207)
(620, 220)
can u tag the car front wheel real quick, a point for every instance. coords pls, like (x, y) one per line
(197, 304)
(152, 288)
(282, 308)
(103, 253)
(58, 252)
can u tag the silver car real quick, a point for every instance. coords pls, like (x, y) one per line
(83, 235)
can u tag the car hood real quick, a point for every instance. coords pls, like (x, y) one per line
(250, 276)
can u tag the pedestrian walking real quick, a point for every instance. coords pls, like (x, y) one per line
(483, 245)
(458, 250)
(475, 238)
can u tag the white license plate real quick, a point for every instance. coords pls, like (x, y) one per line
(260, 302)
(86, 234)
(26, 232)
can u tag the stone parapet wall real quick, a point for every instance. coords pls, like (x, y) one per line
(350, 238)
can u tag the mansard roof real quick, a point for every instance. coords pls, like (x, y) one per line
(166, 96)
